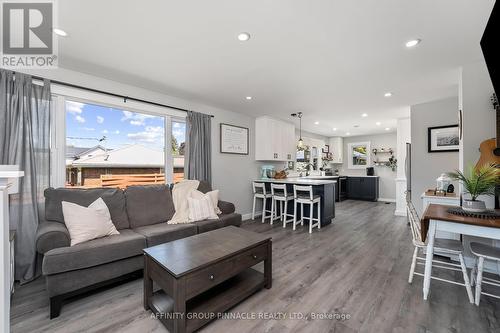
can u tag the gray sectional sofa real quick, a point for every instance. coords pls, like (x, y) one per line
(139, 214)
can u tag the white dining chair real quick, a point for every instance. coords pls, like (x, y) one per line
(483, 252)
(441, 246)
(304, 195)
(259, 192)
(280, 195)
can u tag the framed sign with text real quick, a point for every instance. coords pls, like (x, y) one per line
(233, 139)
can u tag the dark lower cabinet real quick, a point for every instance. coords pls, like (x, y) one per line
(363, 188)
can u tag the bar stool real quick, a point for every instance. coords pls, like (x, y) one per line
(441, 246)
(304, 195)
(259, 192)
(482, 252)
(280, 194)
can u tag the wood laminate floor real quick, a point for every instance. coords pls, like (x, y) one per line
(358, 266)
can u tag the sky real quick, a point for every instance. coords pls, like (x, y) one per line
(87, 123)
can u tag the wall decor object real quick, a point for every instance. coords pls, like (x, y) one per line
(443, 138)
(233, 139)
(359, 156)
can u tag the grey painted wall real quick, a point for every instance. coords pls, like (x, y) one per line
(426, 167)
(387, 176)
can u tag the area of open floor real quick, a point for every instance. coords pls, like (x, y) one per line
(357, 268)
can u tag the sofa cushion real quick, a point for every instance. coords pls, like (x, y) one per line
(149, 204)
(204, 186)
(113, 197)
(223, 221)
(163, 233)
(95, 252)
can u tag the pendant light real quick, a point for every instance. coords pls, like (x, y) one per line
(299, 115)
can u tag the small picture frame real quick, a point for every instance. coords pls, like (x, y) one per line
(443, 139)
(233, 139)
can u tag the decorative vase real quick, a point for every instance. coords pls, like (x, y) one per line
(323, 173)
(474, 206)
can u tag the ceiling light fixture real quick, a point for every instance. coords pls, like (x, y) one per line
(388, 94)
(248, 97)
(316, 123)
(378, 123)
(348, 133)
(60, 32)
(335, 128)
(413, 42)
(387, 129)
(300, 144)
(244, 36)
(364, 115)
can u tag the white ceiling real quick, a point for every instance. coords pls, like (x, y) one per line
(332, 60)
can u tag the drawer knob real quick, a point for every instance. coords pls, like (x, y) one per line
(254, 256)
(211, 277)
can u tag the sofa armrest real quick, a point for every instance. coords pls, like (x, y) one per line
(226, 207)
(51, 235)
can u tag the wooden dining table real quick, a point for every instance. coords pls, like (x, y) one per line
(437, 218)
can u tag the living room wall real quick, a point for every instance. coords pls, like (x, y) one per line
(232, 174)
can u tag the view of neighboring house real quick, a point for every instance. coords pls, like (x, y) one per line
(86, 167)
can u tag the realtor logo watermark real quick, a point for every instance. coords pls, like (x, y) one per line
(27, 38)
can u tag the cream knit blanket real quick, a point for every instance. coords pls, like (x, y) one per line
(180, 194)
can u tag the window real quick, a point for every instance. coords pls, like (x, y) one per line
(111, 147)
(178, 148)
(359, 155)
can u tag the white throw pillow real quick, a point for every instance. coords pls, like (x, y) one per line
(87, 223)
(201, 209)
(213, 195)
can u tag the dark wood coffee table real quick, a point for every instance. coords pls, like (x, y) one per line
(204, 275)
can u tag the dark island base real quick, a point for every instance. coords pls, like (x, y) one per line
(327, 194)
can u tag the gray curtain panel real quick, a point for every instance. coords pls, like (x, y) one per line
(198, 155)
(25, 141)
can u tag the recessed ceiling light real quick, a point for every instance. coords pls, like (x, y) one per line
(335, 128)
(378, 123)
(364, 115)
(388, 94)
(316, 123)
(60, 32)
(387, 129)
(413, 42)
(348, 133)
(244, 36)
(248, 97)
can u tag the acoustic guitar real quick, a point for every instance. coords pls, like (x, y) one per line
(490, 149)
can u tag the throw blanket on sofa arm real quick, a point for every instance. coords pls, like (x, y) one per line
(180, 194)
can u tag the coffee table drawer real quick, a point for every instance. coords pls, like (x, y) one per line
(208, 277)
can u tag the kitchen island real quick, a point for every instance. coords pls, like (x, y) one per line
(325, 188)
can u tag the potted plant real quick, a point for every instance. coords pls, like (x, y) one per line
(476, 182)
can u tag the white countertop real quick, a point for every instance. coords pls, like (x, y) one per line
(298, 181)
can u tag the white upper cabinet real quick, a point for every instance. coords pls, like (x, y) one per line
(337, 149)
(274, 140)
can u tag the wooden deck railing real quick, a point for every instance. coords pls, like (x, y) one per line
(122, 181)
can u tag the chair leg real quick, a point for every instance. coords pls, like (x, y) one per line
(473, 273)
(413, 263)
(479, 279)
(264, 204)
(302, 213)
(281, 210)
(285, 212)
(253, 208)
(311, 217)
(273, 208)
(294, 215)
(319, 215)
(466, 278)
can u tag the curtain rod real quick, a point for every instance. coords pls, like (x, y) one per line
(125, 98)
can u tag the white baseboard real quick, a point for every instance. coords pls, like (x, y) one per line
(386, 200)
(400, 212)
